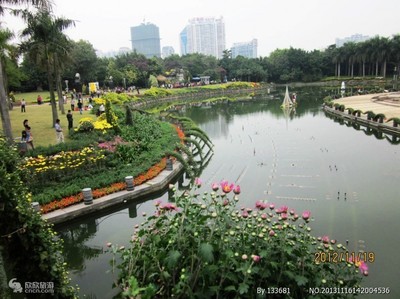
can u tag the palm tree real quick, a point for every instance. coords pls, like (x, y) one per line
(5, 117)
(48, 45)
(5, 52)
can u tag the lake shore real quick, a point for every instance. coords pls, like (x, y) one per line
(385, 103)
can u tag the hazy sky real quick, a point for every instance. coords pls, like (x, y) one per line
(307, 24)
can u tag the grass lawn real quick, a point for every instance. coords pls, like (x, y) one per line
(31, 97)
(40, 120)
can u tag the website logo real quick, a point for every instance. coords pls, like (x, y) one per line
(15, 285)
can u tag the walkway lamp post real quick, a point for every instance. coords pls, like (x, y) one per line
(343, 88)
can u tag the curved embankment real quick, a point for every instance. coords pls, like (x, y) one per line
(386, 104)
(382, 103)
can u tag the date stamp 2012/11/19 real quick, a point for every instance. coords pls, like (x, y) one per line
(340, 256)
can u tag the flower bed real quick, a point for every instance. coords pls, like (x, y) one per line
(119, 186)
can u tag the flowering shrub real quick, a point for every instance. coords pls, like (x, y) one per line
(111, 145)
(201, 246)
(70, 160)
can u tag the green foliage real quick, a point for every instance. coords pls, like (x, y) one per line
(111, 117)
(129, 116)
(157, 92)
(200, 246)
(239, 85)
(141, 135)
(186, 166)
(86, 126)
(118, 98)
(153, 81)
(30, 246)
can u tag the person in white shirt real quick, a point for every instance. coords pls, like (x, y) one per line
(59, 131)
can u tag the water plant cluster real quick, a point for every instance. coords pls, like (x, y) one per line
(200, 245)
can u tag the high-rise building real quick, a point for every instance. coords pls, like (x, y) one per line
(246, 49)
(167, 51)
(205, 36)
(145, 40)
(355, 38)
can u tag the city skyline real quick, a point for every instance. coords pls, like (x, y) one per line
(308, 25)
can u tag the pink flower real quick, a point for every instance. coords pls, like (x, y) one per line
(360, 264)
(284, 209)
(271, 206)
(264, 216)
(306, 215)
(291, 212)
(325, 239)
(226, 202)
(198, 182)
(215, 186)
(261, 205)
(236, 189)
(271, 233)
(256, 258)
(169, 207)
(284, 216)
(226, 187)
(157, 202)
(245, 214)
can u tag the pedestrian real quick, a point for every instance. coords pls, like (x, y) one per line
(23, 104)
(29, 137)
(72, 103)
(23, 147)
(80, 105)
(102, 109)
(39, 100)
(70, 120)
(59, 131)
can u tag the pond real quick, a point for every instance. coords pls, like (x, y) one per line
(301, 158)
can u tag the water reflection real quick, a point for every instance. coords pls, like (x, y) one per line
(369, 131)
(75, 240)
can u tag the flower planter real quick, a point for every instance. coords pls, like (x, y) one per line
(87, 196)
(130, 186)
(169, 165)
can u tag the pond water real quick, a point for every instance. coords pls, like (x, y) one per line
(348, 179)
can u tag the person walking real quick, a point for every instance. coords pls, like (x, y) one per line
(70, 120)
(80, 105)
(59, 131)
(28, 134)
(23, 104)
(72, 103)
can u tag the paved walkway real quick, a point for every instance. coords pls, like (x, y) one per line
(386, 103)
(152, 186)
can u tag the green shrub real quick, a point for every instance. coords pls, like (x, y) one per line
(157, 92)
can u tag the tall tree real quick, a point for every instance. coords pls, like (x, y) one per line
(46, 42)
(5, 117)
(5, 49)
